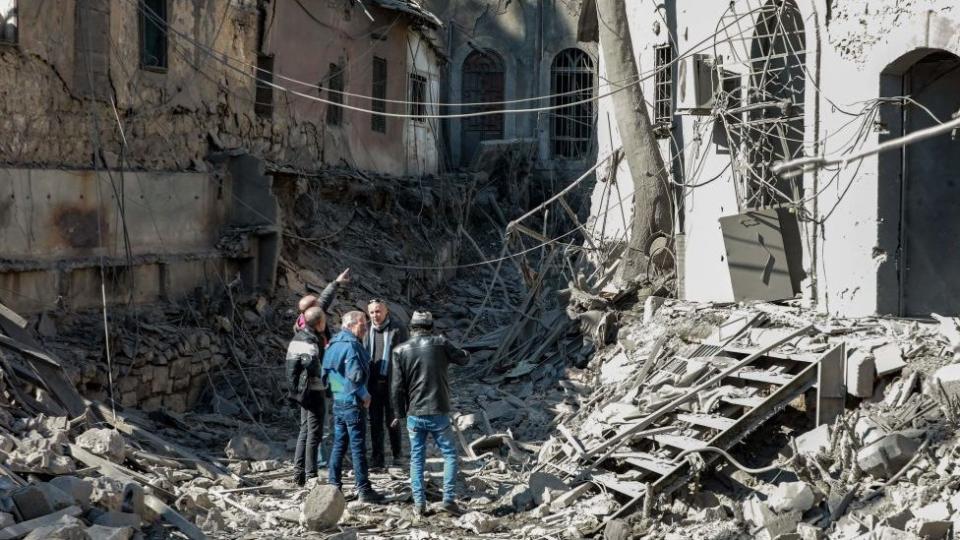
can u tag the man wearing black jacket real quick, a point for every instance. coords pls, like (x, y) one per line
(420, 390)
(386, 333)
(304, 361)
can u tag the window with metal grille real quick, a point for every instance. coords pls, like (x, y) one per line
(378, 122)
(153, 35)
(8, 16)
(663, 88)
(572, 89)
(418, 97)
(335, 95)
(263, 106)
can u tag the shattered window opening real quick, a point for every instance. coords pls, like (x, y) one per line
(9, 32)
(334, 95)
(153, 35)
(263, 106)
(378, 122)
(418, 97)
(663, 89)
(572, 85)
(483, 82)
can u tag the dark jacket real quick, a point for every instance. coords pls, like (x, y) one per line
(419, 383)
(394, 333)
(324, 301)
(346, 367)
(304, 360)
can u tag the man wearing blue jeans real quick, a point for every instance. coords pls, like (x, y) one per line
(420, 391)
(346, 368)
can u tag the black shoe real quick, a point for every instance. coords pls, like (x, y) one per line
(299, 479)
(451, 507)
(371, 496)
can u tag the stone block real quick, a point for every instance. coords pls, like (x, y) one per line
(247, 447)
(765, 521)
(888, 455)
(861, 373)
(617, 529)
(792, 496)
(129, 399)
(79, 489)
(179, 367)
(128, 384)
(181, 383)
(108, 443)
(31, 502)
(176, 402)
(100, 532)
(65, 528)
(322, 508)
(152, 403)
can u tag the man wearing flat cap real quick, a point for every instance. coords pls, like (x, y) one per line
(420, 391)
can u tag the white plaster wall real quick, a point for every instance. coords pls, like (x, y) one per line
(861, 39)
(423, 138)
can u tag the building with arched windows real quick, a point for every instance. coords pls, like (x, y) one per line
(524, 53)
(737, 89)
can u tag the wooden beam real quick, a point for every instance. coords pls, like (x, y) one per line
(14, 317)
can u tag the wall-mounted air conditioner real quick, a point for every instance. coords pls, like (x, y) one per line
(696, 85)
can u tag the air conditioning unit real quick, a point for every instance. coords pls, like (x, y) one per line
(697, 85)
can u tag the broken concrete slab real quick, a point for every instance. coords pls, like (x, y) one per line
(323, 508)
(540, 482)
(114, 518)
(888, 359)
(763, 520)
(887, 456)
(792, 496)
(815, 442)
(24, 527)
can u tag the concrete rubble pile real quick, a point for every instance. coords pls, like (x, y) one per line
(882, 468)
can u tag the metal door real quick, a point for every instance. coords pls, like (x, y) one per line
(482, 83)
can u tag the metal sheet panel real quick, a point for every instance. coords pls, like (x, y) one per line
(756, 256)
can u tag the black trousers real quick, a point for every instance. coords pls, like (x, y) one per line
(311, 433)
(381, 415)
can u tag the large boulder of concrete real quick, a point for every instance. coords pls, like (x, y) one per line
(247, 447)
(78, 488)
(946, 378)
(887, 456)
(107, 443)
(322, 508)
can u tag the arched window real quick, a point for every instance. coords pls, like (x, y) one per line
(482, 82)
(571, 128)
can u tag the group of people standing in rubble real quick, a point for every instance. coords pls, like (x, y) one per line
(374, 371)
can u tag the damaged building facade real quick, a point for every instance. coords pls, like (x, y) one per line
(146, 137)
(735, 88)
(514, 52)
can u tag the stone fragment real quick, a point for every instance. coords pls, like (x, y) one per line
(245, 446)
(100, 532)
(766, 522)
(540, 482)
(888, 359)
(114, 518)
(861, 373)
(6, 520)
(107, 493)
(792, 496)
(815, 442)
(616, 529)
(322, 508)
(887, 456)
(79, 489)
(31, 502)
(107, 443)
(478, 522)
(933, 530)
(936, 511)
(807, 531)
(899, 519)
(65, 528)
